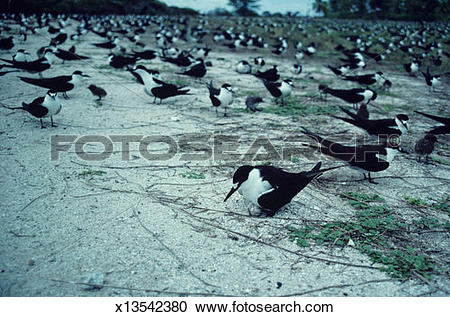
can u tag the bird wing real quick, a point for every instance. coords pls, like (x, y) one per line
(212, 90)
(35, 108)
(273, 88)
(443, 120)
(46, 82)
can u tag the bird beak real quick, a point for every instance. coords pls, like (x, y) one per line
(84, 75)
(233, 189)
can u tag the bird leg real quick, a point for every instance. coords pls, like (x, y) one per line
(371, 180)
(225, 114)
(42, 124)
(154, 100)
(53, 125)
(65, 95)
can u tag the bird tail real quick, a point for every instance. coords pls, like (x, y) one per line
(312, 135)
(351, 114)
(183, 92)
(351, 121)
(316, 171)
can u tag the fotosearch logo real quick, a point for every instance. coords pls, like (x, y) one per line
(197, 147)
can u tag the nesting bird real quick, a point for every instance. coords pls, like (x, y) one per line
(268, 188)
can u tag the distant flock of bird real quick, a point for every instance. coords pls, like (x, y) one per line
(268, 188)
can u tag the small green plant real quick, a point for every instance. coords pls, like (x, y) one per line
(90, 172)
(439, 160)
(192, 175)
(292, 106)
(419, 202)
(295, 160)
(374, 232)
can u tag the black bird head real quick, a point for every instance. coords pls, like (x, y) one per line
(52, 93)
(240, 176)
(289, 82)
(80, 73)
(402, 122)
(228, 87)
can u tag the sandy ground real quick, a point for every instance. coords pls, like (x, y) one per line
(151, 229)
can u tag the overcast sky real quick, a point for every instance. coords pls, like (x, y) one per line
(282, 6)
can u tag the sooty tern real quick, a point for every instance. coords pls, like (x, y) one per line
(220, 97)
(444, 129)
(353, 96)
(381, 127)
(362, 157)
(43, 107)
(59, 84)
(269, 188)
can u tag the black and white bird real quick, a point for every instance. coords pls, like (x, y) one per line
(443, 129)
(43, 107)
(366, 80)
(279, 90)
(159, 89)
(413, 67)
(119, 61)
(147, 54)
(151, 72)
(361, 157)
(251, 102)
(383, 128)
(220, 97)
(425, 146)
(270, 74)
(97, 91)
(197, 70)
(59, 84)
(355, 96)
(340, 70)
(296, 69)
(69, 55)
(59, 39)
(243, 67)
(36, 66)
(109, 44)
(310, 49)
(259, 61)
(432, 81)
(19, 56)
(269, 188)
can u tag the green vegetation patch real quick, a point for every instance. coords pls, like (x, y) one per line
(193, 175)
(378, 233)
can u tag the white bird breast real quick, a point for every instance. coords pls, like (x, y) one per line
(254, 187)
(53, 105)
(225, 97)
